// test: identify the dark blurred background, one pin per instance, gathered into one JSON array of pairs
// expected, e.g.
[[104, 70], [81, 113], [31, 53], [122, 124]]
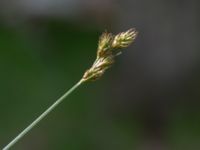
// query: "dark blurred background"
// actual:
[[149, 100]]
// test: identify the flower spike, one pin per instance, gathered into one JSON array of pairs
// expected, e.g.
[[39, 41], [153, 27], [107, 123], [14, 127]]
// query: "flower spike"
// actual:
[[108, 48]]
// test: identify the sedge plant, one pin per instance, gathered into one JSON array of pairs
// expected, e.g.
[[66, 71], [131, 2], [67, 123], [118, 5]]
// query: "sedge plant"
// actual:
[[109, 47]]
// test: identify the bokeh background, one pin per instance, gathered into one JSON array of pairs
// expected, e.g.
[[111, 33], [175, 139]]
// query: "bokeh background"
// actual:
[[149, 100]]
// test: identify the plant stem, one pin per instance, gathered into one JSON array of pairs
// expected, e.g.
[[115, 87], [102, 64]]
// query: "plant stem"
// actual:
[[42, 116]]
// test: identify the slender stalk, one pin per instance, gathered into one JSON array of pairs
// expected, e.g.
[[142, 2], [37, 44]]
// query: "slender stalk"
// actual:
[[42, 116], [108, 49]]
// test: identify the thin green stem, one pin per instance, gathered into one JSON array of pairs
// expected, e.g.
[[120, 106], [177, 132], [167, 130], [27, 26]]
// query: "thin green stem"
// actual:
[[43, 115]]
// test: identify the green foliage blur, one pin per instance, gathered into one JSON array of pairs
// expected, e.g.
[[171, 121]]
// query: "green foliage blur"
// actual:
[[36, 68]]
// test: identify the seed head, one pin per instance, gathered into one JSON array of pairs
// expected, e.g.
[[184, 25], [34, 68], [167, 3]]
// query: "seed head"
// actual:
[[108, 49]]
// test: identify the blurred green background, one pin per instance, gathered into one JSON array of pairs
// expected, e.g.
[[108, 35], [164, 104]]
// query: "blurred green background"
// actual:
[[149, 100]]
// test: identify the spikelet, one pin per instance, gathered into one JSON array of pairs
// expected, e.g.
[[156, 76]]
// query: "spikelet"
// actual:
[[124, 39], [105, 43]]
